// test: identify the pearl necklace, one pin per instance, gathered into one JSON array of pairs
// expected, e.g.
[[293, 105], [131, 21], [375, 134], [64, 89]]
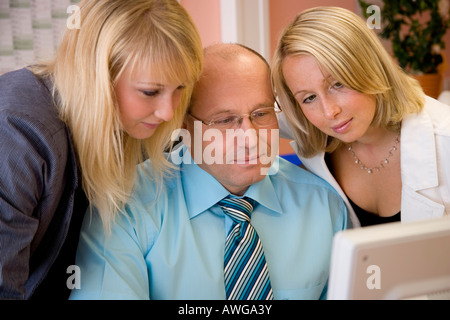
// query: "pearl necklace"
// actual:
[[384, 162]]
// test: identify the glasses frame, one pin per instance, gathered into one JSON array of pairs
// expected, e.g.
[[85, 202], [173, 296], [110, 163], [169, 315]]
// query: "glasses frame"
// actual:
[[241, 117]]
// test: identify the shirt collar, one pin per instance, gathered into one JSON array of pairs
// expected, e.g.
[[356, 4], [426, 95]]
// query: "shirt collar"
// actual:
[[264, 192], [202, 190]]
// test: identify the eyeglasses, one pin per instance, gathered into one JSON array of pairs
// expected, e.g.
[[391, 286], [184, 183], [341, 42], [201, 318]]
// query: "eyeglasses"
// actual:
[[263, 117]]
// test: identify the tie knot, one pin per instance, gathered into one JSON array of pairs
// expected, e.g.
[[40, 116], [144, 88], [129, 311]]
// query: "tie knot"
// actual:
[[238, 208]]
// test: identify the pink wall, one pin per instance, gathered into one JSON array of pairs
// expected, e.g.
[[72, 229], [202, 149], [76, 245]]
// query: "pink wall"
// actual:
[[206, 16], [283, 12]]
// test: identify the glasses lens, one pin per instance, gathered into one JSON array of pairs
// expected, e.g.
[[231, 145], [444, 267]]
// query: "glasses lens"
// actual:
[[261, 117], [264, 117], [225, 121]]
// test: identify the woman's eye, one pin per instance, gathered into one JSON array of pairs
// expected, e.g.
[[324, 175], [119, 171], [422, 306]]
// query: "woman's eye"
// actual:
[[310, 99], [338, 85], [150, 93]]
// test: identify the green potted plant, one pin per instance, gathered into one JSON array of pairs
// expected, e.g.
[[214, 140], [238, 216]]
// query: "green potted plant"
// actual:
[[416, 29]]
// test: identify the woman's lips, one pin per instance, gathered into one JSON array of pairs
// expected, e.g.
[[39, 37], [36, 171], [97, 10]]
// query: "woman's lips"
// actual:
[[151, 125], [343, 126]]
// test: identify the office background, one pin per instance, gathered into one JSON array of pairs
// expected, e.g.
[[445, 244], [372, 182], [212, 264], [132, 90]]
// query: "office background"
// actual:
[[31, 29]]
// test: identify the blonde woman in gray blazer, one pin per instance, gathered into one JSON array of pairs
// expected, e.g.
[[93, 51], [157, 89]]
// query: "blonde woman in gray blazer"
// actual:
[[76, 128], [359, 122]]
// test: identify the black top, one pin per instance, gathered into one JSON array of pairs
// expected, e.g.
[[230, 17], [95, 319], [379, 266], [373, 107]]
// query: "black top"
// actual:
[[367, 218]]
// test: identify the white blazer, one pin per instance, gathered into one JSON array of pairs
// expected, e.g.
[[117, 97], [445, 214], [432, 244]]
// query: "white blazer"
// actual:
[[425, 163]]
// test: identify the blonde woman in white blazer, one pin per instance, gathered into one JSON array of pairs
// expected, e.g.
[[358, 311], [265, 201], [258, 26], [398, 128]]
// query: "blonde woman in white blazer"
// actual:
[[425, 163], [359, 122]]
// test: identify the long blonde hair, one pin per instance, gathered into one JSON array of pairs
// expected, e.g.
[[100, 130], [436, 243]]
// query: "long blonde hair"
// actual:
[[155, 34], [342, 43]]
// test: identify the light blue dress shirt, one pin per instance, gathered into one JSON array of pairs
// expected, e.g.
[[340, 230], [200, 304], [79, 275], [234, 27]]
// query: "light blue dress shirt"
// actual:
[[170, 245]]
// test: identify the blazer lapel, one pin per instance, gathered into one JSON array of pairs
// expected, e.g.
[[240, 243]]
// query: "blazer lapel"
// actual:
[[419, 168], [418, 152]]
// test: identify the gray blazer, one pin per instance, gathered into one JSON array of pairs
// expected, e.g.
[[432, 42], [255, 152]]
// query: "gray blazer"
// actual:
[[41, 202]]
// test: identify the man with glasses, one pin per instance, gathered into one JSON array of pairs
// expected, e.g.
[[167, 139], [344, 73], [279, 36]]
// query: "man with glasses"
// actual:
[[233, 220]]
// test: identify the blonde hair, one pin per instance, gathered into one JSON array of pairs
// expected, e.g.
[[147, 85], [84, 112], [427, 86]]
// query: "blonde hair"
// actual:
[[342, 43], [155, 34]]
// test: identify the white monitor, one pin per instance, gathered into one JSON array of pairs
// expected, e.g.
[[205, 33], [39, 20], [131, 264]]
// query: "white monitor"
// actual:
[[392, 261]]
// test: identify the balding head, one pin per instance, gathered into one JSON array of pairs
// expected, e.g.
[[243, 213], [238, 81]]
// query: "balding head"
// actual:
[[228, 51], [227, 57]]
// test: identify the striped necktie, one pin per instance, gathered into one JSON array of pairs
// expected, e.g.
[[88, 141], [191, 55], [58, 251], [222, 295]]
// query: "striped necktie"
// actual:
[[245, 267]]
